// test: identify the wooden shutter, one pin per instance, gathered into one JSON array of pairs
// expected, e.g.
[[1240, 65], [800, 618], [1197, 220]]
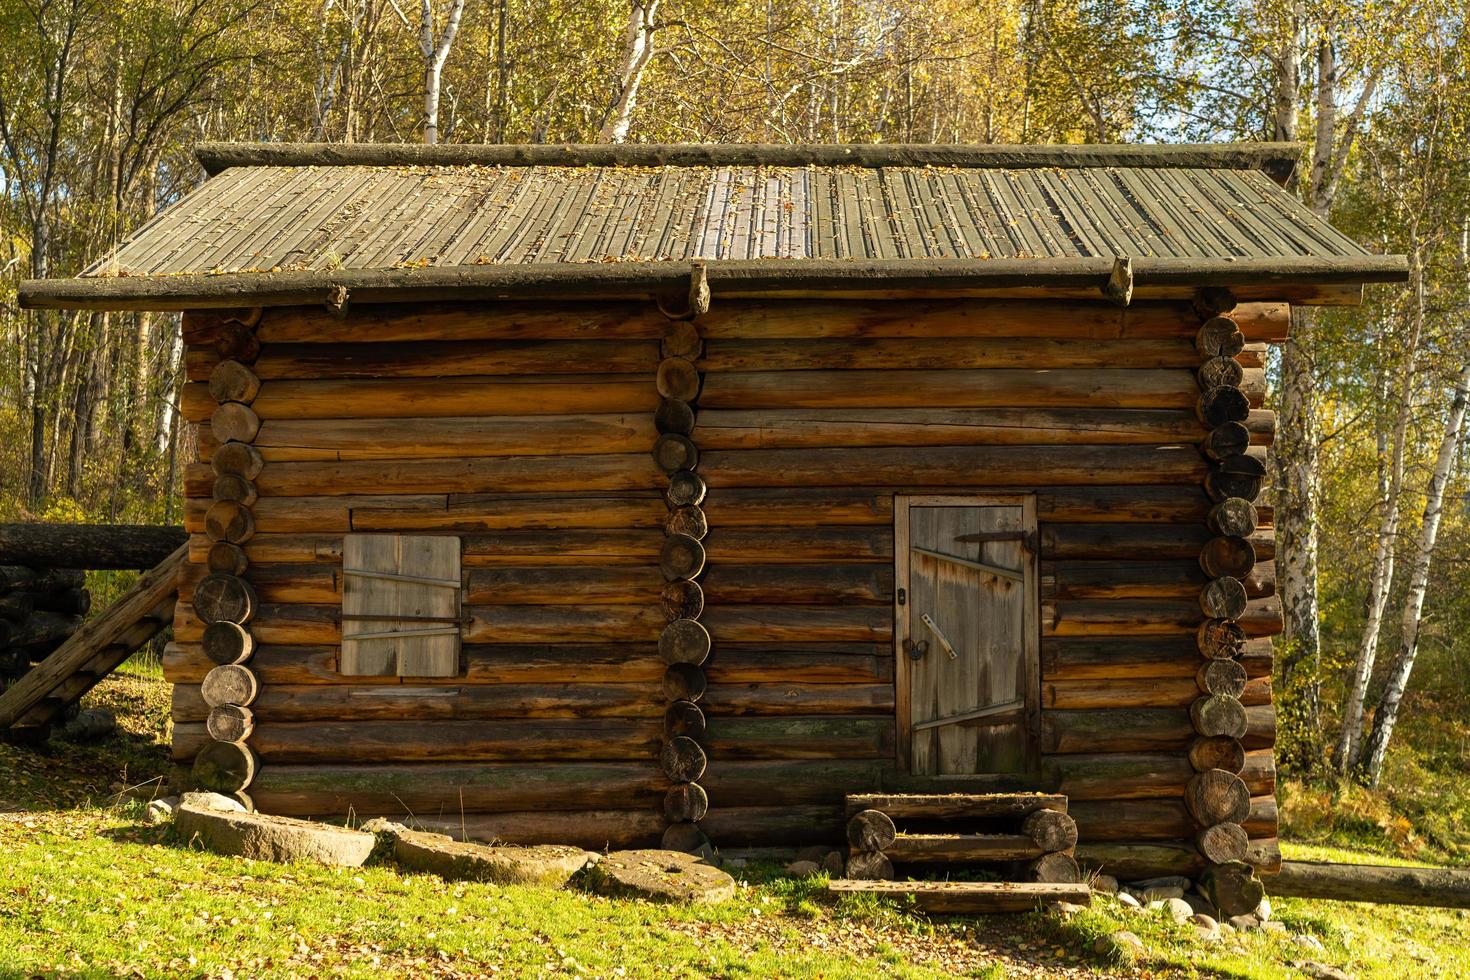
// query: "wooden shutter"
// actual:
[[400, 605]]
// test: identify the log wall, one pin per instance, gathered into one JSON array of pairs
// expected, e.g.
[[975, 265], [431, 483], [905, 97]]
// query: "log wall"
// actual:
[[527, 431]]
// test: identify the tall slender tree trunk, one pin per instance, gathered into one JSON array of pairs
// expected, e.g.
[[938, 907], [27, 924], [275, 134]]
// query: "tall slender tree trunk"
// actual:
[[435, 54], [1384, 719], [1381, 577], [637, 53]]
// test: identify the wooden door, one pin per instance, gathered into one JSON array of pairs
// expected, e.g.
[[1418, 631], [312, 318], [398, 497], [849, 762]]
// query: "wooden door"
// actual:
[[967, 634]]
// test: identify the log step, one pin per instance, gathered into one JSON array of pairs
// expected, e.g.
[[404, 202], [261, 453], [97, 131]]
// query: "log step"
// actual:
[[961, 848], [944, 806], [967, 897]]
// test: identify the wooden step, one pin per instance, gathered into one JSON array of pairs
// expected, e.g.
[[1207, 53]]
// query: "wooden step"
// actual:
[[967, 897], [943, 806], [961, 848]]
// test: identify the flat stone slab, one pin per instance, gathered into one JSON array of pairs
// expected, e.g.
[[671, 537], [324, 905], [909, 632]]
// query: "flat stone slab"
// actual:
[[551, 865], [267, 838], [668, 876]]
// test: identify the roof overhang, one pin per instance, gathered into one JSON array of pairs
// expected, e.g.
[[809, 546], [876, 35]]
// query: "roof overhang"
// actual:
[[1278, 160], [1306, 280]]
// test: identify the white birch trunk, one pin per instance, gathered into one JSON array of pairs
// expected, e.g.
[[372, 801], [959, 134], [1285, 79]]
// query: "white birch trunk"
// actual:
[[1384, 719], [1381, 577], [637, 53], [435, 54]]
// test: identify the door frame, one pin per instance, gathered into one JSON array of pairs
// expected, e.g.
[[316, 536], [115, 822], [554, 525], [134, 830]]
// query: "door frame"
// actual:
[[1031, 618]]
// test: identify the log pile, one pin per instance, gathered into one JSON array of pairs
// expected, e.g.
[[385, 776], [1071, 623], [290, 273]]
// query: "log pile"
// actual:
[[684, 643], [1023, 836], [1216, 797], [224, 601], [40, 609]]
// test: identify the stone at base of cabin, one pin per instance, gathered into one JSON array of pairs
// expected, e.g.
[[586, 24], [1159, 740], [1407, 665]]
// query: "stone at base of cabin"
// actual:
[[160, 811], [1206, 925], [1320, 971], [550, 865], [1245, 922], [800, 869], [1167, 881], [211, 801], [1105, 885], [267, 838], [382, 825], [89, 725], [814, 853], [834, 864], [1272, 925], [1128, 901], [1263, 911], [1159, 893], [671, 876]]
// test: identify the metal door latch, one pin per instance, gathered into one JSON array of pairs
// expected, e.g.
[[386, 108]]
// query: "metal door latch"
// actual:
[[916, 648], [943, 640]]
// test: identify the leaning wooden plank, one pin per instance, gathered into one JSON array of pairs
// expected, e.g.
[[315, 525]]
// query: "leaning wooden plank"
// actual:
[[955, 805], [1441, 887], [94, 636], [967, 897], [108, 659]]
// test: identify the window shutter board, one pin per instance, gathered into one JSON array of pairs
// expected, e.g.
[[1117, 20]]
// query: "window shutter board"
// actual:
[[395, 588]]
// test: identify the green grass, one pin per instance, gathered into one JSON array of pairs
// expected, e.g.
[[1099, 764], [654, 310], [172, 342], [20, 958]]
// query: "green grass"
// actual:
[[88, 890]]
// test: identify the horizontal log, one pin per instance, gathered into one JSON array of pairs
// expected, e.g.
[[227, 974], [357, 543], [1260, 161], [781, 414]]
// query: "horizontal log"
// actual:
[[975, 466], [755, 318], [1133, 861], [1147, 617], [794, 624], [1178, 579], [835, 428], [562, 394], [731, 664], [597, 830], [438, 358], [527, 321], [961, 848], [1439, 887], [733, 507], [296, 440], [1143, 692], [1140, 730], [1120, 657], [727, 584], [550, 740], [88, 545], [1160, 819], [1137, 542], [952, 353], [1003, 387], [966, 898], [276, 515], [389, 702], [515, 474], [801, 738], [429, 789], [739, 826], [478, 550]]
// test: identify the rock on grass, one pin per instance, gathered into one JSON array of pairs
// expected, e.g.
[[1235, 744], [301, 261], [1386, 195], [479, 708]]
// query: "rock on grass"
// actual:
[[267, 838], [551, 865], [670, 876]]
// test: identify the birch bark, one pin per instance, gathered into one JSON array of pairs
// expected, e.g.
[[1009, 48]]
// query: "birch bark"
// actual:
[[435, 53], [637, 53], [1381, 578]]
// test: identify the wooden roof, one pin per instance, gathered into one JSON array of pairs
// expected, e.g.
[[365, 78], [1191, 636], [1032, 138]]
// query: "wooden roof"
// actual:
[[376, 216]]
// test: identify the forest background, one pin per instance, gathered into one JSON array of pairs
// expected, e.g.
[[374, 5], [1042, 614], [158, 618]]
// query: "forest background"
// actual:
[[102, 100]]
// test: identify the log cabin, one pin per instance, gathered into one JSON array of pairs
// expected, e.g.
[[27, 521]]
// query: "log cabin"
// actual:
[[613, 495]]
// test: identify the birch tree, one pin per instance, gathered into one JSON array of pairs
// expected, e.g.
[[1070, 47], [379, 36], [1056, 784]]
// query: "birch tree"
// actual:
[[637, 53], [435, 51]]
